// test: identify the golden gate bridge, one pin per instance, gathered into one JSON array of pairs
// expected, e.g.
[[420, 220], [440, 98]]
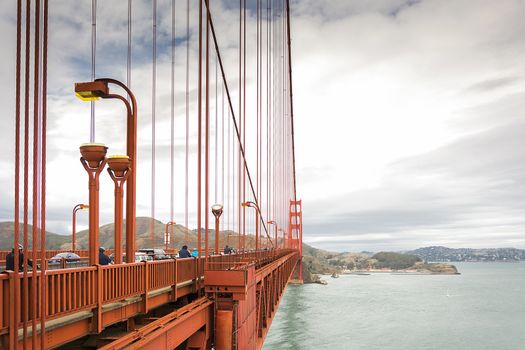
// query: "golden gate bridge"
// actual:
[[213, 300]]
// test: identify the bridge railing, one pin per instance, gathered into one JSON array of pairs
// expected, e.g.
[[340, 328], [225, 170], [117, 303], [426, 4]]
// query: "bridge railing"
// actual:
[[83, 289], [6, 298], [258, 258], [122, 281], [162, 274]]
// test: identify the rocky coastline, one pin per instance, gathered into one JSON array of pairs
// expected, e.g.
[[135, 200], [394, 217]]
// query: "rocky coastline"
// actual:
[[317, 263]]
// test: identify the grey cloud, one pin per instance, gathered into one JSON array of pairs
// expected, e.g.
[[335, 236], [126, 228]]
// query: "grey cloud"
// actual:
[[492, 84]]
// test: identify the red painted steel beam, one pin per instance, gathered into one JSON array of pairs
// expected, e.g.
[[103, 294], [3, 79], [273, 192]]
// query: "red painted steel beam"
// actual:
[[169, 331]]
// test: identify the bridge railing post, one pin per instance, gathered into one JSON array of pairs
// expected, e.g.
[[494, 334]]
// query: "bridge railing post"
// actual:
[[146, 283], [8, 304], [100, 298], [174, 285]]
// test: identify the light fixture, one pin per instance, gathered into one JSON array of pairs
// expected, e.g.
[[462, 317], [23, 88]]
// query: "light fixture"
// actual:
[[216, 209], [91, 91]]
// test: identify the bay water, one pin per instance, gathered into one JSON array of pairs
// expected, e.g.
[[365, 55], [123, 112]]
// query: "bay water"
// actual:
[[483, 308]]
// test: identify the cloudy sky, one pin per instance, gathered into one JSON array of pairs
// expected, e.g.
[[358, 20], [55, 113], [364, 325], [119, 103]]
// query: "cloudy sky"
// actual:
[[410, 115]]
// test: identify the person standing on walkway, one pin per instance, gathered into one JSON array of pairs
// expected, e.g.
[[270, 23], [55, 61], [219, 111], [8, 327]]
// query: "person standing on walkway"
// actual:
[[184, 252], [10, 259], [103, 259]]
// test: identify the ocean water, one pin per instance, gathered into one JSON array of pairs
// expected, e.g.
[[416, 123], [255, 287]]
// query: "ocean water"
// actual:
[[483, 308]]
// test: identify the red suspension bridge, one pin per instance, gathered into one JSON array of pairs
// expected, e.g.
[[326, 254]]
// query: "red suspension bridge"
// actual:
[[244, 161]]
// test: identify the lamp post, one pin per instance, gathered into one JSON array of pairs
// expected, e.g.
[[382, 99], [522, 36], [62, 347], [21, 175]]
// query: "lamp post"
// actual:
[[94, 160], [74, 224], [284, 240], [271, 222], [118, 169], [253, 205], [216, 209], [167, 237], [94, 90]]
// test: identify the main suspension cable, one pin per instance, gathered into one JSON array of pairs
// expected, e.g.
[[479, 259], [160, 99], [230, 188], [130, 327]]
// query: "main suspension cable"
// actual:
[[235, 125], [291, 96]]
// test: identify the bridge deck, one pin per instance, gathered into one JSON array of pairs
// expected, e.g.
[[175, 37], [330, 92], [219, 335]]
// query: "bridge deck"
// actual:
[[83, 301]]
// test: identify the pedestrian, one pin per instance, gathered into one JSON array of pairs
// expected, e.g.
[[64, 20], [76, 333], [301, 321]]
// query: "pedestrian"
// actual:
[[184, 252], [103, 259], [227, 250], [195, 253], [10, 260]]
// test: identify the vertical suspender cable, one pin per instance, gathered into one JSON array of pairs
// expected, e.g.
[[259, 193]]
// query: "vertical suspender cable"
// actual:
[[223, 156], [153, 105], [260, 193], [199, 140], [36, 140], [228, 198], [187, 125], [257, 101], [274, 114], [257, 116], [25, 297], [222, 149], [93, 63], [231, 178], [43, 282], [128, 65], [207, 139], [172, 139], [244, 124], [283, 116], [270, 114], [17, 158], [268, 110], [216, 134], [240, 127], [260, 196]]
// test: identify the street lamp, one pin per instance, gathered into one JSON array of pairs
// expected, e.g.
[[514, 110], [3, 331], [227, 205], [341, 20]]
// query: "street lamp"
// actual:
[[251, 204], [74, 225], [94, 90], [216, 209], [270, 222], [118, 169], [167, 236], [94, 160], [284, 240]]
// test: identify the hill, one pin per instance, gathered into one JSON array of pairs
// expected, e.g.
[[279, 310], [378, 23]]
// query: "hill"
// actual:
[[394, 261], [7, 229], [143, 236], [444, 254], [317, 261], [55, 241]]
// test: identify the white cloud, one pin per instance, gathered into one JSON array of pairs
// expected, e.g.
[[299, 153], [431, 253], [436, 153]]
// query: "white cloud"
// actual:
[[408, 115]]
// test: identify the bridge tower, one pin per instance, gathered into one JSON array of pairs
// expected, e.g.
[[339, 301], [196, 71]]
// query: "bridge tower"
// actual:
[[295, 237]]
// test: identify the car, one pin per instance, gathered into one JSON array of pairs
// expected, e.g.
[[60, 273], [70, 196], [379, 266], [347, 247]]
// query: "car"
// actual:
[[156, 254], [68, 256], [139, 257]]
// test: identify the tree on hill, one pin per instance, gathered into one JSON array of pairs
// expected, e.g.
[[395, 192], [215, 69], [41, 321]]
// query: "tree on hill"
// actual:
[[395, 261]]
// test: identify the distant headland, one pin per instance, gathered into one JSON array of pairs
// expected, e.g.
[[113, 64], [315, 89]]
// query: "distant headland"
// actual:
[[320, 262]]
